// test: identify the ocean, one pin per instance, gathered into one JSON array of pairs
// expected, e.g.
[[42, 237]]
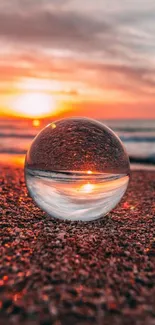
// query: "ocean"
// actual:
[[138, 137]]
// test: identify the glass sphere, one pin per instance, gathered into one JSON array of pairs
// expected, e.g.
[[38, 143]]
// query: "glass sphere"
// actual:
[[77, 169]]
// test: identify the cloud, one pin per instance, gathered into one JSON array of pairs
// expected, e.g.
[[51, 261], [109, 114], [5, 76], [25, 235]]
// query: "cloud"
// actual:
[[62, 30], [109, 37], [17, 5], [138, 81], [136, 16], [116, 50], [50, 27]]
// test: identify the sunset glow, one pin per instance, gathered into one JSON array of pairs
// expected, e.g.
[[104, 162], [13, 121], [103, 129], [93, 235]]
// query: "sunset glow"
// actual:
[[34, 104], [92, 59]]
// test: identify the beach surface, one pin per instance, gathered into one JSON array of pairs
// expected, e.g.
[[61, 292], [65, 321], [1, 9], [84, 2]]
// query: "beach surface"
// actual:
[[68, 273]]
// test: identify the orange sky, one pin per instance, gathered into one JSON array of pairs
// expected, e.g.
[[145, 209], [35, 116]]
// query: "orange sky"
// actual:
[[66, 58]]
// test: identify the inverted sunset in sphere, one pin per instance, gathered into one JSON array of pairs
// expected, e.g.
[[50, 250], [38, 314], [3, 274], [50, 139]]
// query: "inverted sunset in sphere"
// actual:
[[77, 169]]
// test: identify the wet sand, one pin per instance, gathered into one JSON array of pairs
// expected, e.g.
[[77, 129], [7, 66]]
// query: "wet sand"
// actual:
[[66, 273]]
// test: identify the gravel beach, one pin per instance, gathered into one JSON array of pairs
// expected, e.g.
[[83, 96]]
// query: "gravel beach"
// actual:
[[65, 273]]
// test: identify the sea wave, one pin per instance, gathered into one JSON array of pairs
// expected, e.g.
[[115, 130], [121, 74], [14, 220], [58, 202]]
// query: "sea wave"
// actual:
[[15, 135], [134, 130], [143, 160], [124, 138], [138, 138], [13, 151]]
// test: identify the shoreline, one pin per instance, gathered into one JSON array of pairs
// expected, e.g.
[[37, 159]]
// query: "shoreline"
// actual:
[[13, 160]]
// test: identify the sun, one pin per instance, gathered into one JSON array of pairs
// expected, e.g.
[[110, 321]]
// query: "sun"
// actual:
[[87, 188], [35, 104]]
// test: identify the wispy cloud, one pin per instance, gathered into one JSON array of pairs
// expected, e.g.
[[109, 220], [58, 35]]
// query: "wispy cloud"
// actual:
[[55, 29], [114, 35], [134, 80]]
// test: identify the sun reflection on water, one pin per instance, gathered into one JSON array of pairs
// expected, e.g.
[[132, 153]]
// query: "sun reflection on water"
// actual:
[[87, 188], [36, 123]]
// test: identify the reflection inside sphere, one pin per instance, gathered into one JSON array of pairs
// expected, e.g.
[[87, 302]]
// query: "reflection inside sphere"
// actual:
[[77, 169]]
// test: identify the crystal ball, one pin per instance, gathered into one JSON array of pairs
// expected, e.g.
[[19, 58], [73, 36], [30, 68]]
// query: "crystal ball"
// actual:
[[77, 169]]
